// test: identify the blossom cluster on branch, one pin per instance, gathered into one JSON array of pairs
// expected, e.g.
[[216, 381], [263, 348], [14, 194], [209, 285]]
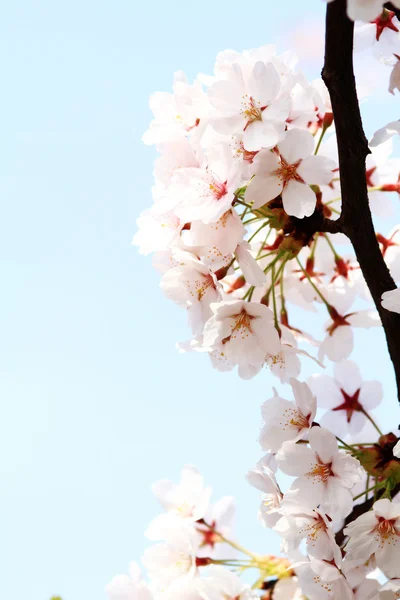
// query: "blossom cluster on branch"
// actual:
[[246, 233]]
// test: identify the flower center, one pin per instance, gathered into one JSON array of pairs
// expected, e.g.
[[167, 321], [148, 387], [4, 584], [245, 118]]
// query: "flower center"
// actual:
[[288, 172], [251, 111], [201, 286], [386, 530], [321, 471], [218, 189], [295, 418], [350, 404], [241, 326]]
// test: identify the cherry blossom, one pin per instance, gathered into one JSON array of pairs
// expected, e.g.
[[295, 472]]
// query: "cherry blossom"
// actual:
[[193, 285], [124, 587], [189, 499], [247, 102], [324, 475], [347, 397], [263, 479], [287, 421], [313, 525], [244, 331], [339, 341], [290, 174], [377, 532], [223, 584]]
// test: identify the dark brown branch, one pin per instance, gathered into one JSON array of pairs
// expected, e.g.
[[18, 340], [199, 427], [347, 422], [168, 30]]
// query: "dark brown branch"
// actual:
[[356, 220]]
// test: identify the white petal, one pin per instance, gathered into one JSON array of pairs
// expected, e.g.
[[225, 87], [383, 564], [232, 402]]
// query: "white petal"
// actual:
[[263, 189], [260, 134], [324, 443], [298, 144], [371, 394], [348, 376], [316, 170], [326, 390], [298, 199]]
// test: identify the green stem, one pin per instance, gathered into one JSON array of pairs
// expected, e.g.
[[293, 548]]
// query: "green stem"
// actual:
[[324, 300], [371, 489], [371, 420], [321, 137], [257, 231], [344, 444], [231, 543], [274, 300], [331, 246]]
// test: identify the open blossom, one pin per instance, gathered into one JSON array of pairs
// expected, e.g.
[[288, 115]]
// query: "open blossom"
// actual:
[[285, 420], [290, 173], [174, 560], [176, 114], [222, 584], [299, 523], [189, 499], [323, 580], [391, 300], [243, 331], [247, 102], [207, 192], [192, 285], [124, 587], [347, 397], [324, 475], [377, 533], [262, 478], [339, 341]]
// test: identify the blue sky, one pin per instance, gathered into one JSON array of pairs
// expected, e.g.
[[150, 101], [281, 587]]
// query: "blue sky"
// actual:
[[96, 402]]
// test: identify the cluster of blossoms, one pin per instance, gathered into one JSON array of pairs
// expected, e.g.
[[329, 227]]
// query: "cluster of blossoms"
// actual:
[[247, 155]]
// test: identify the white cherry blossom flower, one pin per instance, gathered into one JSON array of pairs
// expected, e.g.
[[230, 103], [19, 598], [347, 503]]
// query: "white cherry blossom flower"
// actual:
[[377, 532], [243, 331], [321, 580], [222, 584], [176, 114], [347, 396], [285, 420], [313, 525], [324, 475], [192, 285], [124, 587], [208, 192], [173, 560], [247, 102], [189, 499], [262, 478], [391, 300], [224, 234], [290, 174], [339, 341]]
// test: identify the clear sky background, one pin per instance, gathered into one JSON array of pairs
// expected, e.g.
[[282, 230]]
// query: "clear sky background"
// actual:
[[96, 403]]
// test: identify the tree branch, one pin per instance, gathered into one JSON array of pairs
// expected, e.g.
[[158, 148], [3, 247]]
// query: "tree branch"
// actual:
[[356, 221]]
